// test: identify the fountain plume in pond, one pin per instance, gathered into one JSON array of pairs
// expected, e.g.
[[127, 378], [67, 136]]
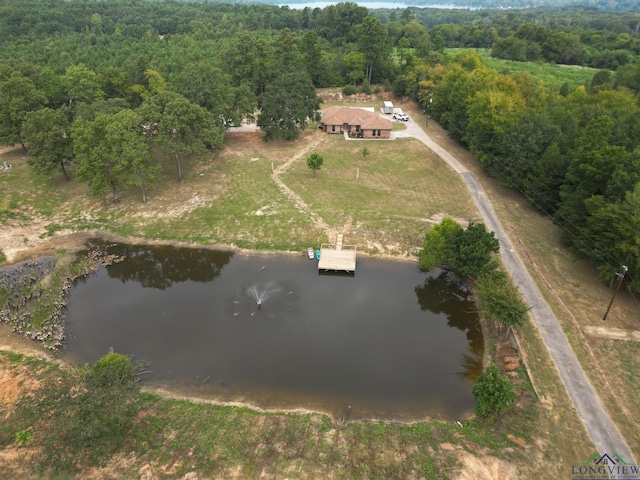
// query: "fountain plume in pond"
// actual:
[[261, 295], [271, 298]]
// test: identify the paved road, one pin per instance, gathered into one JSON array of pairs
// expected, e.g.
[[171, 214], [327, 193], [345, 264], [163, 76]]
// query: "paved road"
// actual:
[[599, 425]]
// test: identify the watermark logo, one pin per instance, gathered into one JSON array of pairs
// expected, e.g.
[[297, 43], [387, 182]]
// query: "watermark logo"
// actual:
[[605, 467]]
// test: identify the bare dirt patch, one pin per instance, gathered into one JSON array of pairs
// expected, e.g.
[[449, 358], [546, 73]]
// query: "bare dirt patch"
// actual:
[[613, 333], [484, 467]]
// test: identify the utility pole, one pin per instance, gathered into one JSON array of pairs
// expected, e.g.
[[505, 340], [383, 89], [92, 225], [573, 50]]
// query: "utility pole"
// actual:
[[621, 278]]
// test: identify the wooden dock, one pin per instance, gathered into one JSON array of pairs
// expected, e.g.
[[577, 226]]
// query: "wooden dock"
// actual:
[[337, 257]]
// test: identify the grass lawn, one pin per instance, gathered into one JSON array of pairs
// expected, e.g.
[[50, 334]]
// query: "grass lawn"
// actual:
[[382, 202], [230, 198]]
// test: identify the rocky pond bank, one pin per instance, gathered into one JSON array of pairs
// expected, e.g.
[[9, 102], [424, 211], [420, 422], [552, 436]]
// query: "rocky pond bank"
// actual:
[[33, 293]]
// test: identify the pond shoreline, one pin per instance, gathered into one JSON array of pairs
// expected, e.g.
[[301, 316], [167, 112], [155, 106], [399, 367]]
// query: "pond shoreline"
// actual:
[[14, 341], [79, 242]]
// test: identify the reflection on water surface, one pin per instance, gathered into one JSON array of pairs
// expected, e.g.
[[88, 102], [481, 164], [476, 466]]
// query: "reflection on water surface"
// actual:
[[389, 341]]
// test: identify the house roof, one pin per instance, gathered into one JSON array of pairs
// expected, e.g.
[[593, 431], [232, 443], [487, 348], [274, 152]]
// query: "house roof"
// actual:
[[354, 116]]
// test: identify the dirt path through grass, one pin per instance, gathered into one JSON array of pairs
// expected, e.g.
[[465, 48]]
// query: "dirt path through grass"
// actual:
[[294, 197]]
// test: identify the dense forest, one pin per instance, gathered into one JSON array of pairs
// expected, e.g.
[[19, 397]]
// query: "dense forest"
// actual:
[[93, 88], [497, 4]]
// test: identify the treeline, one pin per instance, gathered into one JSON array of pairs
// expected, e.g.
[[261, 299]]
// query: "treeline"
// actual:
[[577, 36], [613, 5], [96, 90], [575, 156]]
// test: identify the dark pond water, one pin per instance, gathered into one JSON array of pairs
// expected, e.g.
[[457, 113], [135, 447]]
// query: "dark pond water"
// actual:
[[389, 341]]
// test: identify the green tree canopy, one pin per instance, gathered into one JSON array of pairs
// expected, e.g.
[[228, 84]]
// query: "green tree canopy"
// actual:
[[177, 126], [438, 241], [18, 96], [315, 162], [112, 152], [373, 41], [287, 104], [493, 392], [471, 251], [82, 84], [47, 134], [499, 300]]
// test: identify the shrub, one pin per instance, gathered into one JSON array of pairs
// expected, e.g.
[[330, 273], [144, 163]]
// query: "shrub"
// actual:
[[80, 417], [349, 90], [365, 87], [493, 393], [3, 257], [436, 249], [499, 300]]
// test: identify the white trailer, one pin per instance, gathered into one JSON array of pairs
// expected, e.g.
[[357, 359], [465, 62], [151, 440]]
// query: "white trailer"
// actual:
[[388, 107]]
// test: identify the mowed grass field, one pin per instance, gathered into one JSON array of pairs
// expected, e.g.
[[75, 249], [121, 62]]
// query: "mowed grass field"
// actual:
[[383, 202], [231, 197]]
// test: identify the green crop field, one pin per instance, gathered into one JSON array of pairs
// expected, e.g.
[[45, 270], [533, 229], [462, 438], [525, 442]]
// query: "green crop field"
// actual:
[[552, 76]]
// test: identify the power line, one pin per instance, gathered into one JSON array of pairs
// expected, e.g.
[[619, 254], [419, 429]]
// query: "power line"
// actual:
[[580, 241]]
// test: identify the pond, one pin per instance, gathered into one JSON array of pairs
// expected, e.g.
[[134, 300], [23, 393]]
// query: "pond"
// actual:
[[388, 342]]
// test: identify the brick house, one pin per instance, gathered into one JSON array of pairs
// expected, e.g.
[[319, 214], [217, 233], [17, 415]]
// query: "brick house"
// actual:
[[357, 122]]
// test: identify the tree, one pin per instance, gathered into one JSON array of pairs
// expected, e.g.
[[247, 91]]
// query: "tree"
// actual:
[[491, 114], [82, 84], [50, 84], [204, 84], [364, 151], [589, 172], [438, 241], [178, 127], [18, 96], [545, 178], [313, 59], [81, 417], [493, 392], [250, 62], [286, 104], [112, 152], [125, 140], [451, 99], [315, 162], [95, 166], [521, 147], [47, 133], [373, 41], [471, 251], [286, 51], [337, 20], [114, 82], [207, 85], [354, 65]]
